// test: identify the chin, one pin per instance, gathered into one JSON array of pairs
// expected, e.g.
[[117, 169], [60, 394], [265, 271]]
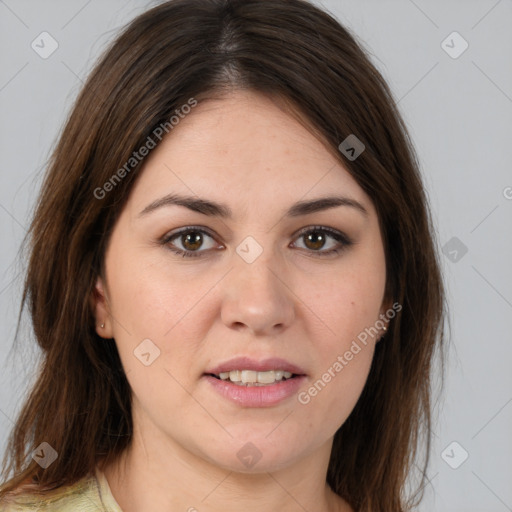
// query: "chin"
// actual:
[[255, 454]]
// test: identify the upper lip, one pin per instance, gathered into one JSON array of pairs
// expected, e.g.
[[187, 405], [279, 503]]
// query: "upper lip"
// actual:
[[262, 365]]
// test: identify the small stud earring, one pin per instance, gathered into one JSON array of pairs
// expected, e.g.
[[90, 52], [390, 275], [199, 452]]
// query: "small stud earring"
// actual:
[[102, 325]]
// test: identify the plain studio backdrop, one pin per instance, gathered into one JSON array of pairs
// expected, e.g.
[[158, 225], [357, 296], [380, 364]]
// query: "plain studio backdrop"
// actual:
[[449, 66]]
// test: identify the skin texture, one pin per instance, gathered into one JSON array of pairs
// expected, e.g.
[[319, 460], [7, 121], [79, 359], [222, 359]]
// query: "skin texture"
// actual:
[[291, 302]]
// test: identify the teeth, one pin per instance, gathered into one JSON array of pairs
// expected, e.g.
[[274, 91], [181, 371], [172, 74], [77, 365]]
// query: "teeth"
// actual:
[[251, 377], [234, 376], [266, 377]]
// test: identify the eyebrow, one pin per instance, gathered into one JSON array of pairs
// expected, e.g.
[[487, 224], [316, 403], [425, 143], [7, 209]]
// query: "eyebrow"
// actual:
[[214, 209]]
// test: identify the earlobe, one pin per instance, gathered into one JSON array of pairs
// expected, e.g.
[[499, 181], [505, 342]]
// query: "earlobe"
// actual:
[[384, 333], [101, 310], [384, 319]]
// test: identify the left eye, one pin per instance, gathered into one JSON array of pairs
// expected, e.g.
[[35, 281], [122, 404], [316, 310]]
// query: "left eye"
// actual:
[[315, 238]]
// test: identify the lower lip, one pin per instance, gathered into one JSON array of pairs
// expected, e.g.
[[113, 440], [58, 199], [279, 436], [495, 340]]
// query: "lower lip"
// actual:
[[256, 396]]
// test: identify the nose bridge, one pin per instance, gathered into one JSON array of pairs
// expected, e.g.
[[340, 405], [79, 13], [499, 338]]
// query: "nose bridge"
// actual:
[[256, 295]]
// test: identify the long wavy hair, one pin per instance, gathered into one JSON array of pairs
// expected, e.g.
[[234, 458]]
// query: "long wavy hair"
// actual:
[[300, 56]]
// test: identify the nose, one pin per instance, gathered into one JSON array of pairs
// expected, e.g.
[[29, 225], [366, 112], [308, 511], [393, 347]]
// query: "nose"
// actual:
[[256, 298]]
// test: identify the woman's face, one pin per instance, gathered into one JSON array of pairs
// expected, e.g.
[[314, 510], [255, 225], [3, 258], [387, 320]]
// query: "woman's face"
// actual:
[[260, 294]]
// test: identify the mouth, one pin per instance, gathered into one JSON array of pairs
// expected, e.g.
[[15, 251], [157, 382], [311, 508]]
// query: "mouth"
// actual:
[[251, 383]]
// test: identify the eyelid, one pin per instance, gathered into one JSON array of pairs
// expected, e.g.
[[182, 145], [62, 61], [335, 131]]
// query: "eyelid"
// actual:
[[174, 234]]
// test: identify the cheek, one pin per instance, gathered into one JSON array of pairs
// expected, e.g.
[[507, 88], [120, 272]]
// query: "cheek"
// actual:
[[344, 342], [339, 377], [149, 296], [152, 302], [348, 304]]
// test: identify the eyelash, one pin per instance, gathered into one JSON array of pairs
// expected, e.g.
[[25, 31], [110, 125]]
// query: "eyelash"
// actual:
[[336, 235]]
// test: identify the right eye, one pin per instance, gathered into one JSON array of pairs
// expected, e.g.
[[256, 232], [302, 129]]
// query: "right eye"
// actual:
[[190, 238]]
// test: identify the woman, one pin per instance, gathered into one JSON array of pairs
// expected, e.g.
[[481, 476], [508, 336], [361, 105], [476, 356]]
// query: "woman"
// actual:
[[232, 276]]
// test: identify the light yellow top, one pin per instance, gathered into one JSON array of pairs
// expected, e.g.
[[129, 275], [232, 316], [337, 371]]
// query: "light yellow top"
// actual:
[[91, 494]]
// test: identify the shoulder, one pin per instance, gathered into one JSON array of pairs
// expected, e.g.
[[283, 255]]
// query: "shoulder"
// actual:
[[83, 496]]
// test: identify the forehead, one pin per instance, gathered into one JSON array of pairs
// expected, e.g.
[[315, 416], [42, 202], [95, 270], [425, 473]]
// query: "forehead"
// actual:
[[244, 149]]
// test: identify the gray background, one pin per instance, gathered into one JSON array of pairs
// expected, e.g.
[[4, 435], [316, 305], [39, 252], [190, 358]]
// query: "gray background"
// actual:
[[459, 111]]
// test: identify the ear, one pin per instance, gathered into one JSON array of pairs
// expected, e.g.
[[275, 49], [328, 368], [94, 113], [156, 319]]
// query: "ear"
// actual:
[[101, 309]]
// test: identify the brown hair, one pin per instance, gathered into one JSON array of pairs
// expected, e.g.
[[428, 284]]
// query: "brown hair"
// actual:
[[298, 55]]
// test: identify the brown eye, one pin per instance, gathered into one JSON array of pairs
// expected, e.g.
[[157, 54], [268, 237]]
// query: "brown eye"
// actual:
[[192, 240], [188, 242], [314, 240], [317, 238]]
